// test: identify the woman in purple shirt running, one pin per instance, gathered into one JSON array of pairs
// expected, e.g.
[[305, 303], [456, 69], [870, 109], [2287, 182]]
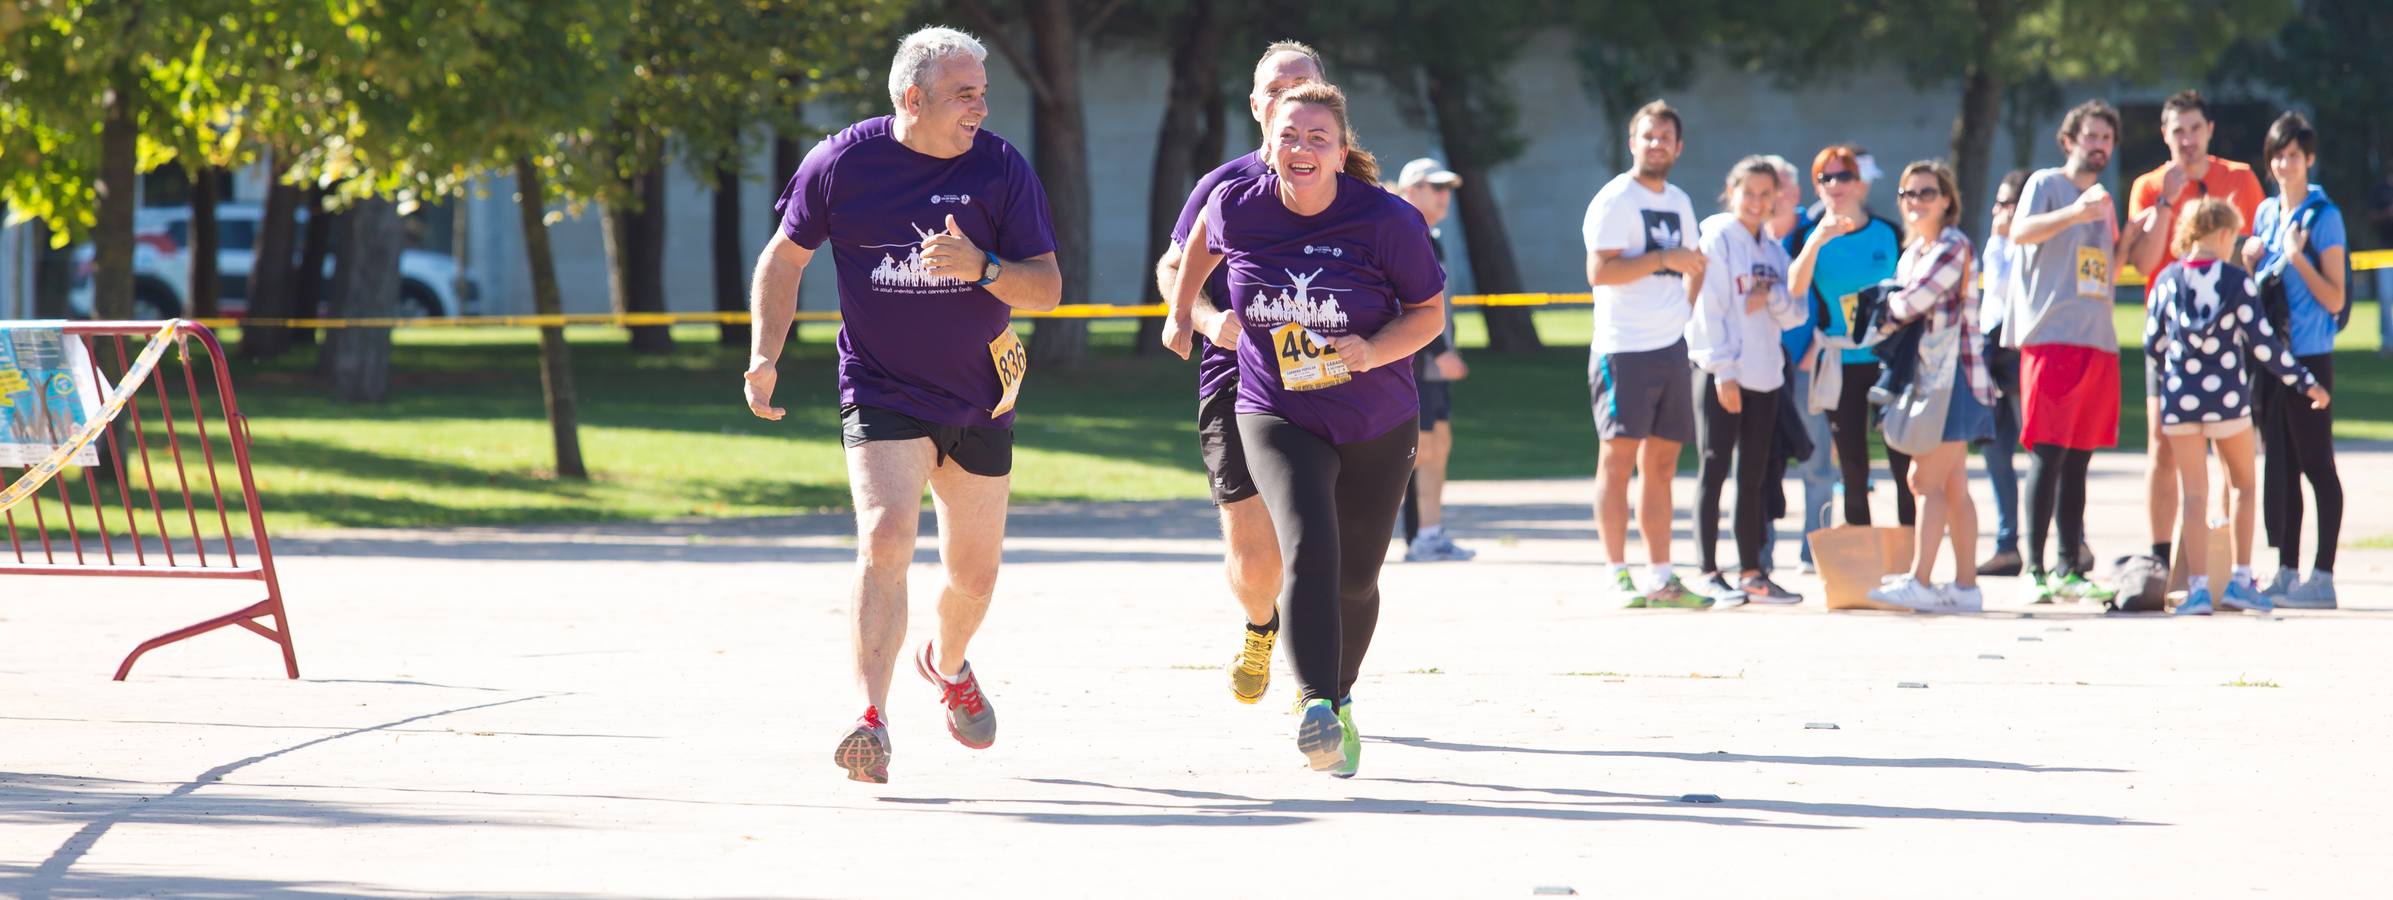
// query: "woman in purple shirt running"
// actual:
[[1335, 286]]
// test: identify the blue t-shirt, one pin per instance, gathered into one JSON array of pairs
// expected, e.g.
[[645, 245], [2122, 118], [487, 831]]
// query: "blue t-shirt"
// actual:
[[1215, 366], [1347, 270], [2309, 325], [911, 341], [1847, 264]]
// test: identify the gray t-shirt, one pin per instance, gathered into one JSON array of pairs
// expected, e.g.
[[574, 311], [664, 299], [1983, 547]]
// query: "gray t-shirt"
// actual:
[[2064, 285]]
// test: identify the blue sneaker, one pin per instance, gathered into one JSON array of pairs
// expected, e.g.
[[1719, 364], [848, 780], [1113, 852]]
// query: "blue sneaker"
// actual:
[[2241, 595], [1321, 736], [2197, 603]]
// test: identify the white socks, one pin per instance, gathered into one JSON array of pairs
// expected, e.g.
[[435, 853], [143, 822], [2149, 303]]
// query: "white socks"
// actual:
[[2197, 583]]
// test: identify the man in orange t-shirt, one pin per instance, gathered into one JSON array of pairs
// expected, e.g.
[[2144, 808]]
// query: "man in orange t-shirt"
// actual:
[[2152, 206]]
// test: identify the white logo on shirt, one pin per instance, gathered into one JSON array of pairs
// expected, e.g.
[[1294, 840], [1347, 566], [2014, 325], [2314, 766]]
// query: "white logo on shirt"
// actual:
[[1296, 303], [910, 272], [1333, 251], [1664, 235], [937, 199]]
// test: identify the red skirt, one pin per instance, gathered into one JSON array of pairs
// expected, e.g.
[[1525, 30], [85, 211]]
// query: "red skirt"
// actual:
[[2069, 397]]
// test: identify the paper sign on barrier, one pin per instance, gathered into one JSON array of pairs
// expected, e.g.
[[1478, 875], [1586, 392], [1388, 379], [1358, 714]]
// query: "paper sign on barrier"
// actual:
[[46, 394]]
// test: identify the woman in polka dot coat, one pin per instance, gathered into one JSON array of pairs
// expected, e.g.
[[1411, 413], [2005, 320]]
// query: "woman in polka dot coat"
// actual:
[[2201, 325]]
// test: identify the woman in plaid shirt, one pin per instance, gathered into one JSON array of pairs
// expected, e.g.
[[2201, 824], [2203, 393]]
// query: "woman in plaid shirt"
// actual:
[[1934, 275]]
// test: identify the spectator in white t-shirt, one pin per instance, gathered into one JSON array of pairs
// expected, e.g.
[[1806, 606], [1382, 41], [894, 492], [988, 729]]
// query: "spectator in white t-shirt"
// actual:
[[1645, 273]]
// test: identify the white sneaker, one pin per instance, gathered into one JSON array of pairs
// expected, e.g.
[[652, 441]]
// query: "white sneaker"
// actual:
[[1436, 548], [1963, 599], [1906, 592]]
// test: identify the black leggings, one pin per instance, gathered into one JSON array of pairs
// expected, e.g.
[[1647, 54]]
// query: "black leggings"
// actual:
[[1850, 424], [2056, 489], [1334, 506], [2300, 444], [1747, 435]]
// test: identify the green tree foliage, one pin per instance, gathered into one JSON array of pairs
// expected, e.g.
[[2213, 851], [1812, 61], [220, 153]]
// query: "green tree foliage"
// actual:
[[1989, 46], [2331, 58]]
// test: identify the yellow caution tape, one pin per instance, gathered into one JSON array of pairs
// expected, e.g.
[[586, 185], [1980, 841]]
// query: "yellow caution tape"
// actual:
[[33, 479], [2128, 277]]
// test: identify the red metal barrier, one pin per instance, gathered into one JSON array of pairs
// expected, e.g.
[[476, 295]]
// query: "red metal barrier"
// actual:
[[147, 540]]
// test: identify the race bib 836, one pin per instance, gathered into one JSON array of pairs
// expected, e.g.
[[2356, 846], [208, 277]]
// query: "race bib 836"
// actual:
[[1006, 352]]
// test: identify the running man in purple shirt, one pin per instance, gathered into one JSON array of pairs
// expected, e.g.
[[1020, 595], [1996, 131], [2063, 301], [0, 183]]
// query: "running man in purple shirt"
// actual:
[[1334, 287], [1253, 551], [938, 231]]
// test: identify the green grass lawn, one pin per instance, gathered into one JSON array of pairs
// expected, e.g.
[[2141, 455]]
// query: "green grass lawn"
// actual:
[[463, 441]]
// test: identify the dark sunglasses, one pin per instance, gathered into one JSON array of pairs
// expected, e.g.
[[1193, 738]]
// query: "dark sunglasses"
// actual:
[[1999, 204], [1834, 177], [1923, 194]]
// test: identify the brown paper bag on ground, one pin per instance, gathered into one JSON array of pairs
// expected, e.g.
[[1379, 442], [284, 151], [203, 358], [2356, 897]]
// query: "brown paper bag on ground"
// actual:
[[1854, 559]]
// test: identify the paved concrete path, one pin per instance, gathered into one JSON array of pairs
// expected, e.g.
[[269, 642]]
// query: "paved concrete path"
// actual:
[[648, 710]]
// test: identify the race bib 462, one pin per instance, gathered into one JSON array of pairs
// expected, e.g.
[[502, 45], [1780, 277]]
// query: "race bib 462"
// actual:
[[1307, 362]]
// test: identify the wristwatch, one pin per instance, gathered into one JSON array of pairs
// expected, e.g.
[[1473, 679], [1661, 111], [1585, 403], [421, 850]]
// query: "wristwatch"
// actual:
[[990, 271]]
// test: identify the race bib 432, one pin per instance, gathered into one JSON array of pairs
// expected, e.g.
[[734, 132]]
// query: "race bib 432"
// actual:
[[2093, 274]]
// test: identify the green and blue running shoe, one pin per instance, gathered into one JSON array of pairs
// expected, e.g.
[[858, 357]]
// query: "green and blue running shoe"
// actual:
[[1674, 595], [2035, 589], [1321, 737], [1351, 744], [1624, 586], [2075, 587]]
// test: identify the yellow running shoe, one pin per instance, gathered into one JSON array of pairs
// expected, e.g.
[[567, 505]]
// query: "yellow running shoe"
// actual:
[[1250, 671]]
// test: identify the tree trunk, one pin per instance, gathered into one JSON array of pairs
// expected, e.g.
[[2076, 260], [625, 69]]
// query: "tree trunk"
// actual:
[[1196, 72], [1213, 124], [1974, 126], [112, 238], [634, 231], [1059, 149], [731, 282], [306, 285], [1510, 329], [360, 358], [53, 274], [268, 295], [205, 300], [469, 299], [556, 359]]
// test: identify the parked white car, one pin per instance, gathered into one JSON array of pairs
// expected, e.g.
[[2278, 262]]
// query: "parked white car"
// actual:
[[162, 268]]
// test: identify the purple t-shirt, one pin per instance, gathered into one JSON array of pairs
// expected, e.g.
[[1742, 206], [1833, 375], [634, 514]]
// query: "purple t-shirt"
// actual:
[[1216, 367], [911, 341], [1346, 270]]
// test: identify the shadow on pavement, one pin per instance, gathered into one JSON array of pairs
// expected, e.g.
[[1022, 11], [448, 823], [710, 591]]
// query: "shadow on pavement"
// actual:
[[1724, 756], [20, 793]]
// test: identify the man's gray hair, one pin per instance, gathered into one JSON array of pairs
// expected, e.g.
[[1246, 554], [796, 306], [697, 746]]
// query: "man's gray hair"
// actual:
[[922, 50], [1786, 170]]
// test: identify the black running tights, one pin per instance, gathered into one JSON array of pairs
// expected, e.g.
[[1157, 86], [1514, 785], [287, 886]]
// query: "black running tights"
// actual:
[[2056, 489], [1851, 424], [1746, 435], [1334, 506], [2300, 444]]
